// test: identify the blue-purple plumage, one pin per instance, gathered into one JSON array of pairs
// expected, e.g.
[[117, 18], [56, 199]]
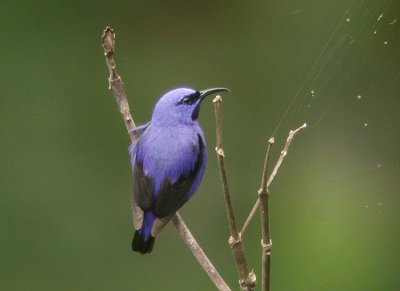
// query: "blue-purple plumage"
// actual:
[[168, 163]]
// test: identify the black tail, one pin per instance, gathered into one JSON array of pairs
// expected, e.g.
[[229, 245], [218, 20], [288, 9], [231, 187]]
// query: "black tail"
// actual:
[[139, 244]]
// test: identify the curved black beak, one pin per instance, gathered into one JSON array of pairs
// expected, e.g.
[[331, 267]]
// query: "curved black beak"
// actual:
[[205, 93]]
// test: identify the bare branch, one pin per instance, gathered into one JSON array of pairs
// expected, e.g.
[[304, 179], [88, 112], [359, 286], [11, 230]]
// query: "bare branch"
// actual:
[[284, 152], [115, 83], [208, 267], [278, 164], [247, 279], [117, 88]]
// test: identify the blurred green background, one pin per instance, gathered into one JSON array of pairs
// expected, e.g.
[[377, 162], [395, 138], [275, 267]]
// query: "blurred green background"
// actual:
[[65, 174]]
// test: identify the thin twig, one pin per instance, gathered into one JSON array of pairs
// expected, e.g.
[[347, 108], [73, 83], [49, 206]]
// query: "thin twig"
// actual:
[[274, 172], [115, 82], [264, 180], [247, 280], [117, 88], [249, 218], [264, 211], [208, 267]]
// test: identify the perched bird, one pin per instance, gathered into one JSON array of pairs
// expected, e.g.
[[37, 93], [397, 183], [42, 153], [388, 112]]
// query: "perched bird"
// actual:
[[168, 162]]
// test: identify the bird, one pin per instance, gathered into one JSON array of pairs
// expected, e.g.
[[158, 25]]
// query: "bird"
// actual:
[[168, 161]]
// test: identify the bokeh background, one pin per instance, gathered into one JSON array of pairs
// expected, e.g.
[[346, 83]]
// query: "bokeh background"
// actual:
[[65, 178]]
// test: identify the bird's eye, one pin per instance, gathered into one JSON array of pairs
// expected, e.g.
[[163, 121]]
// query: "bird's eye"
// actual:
[[186, 101]]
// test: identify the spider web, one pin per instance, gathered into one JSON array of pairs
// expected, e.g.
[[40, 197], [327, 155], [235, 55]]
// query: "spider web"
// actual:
[[351, 92], [365, 41]]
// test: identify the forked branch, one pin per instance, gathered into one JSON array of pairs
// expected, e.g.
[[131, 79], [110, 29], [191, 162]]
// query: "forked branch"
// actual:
[[278, 164]]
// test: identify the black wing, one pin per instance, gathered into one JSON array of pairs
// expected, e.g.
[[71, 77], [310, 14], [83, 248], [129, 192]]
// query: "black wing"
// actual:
[[170, 197], [142, 187], [139, 181]]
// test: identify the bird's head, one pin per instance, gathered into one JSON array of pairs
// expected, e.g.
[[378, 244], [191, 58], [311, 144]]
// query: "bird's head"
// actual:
[[181, 105]]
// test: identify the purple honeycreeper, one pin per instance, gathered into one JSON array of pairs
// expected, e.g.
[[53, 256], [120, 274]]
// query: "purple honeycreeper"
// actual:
[[168, 162]]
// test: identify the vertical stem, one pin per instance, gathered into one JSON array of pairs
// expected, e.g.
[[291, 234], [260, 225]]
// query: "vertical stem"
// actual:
[[264, 211], [266, 246], [221, 162], [247, 280]]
